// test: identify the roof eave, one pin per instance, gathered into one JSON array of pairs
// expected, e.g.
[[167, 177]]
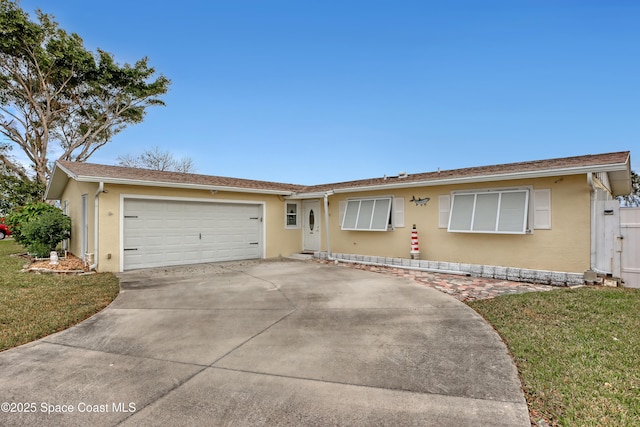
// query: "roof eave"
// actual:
[[311, 195], [123, 181], [620, 182], [619, 167], [57, 182]]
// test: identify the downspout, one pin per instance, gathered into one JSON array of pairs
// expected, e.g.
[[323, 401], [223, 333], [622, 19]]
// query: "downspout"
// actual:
[[326, 223], [594, 219], [95, 226]]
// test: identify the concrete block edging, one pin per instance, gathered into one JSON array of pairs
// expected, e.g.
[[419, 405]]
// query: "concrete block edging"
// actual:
[[544, 277]]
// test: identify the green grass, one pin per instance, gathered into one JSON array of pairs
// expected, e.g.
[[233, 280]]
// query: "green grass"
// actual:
[[33, 306], [577, 352]]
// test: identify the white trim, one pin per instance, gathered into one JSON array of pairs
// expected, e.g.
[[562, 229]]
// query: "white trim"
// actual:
[[314, 195], [122, 181], [489, 178], [124, 196], [191, 199]]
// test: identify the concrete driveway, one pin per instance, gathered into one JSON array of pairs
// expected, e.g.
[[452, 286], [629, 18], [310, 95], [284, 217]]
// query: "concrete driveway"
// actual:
[[267, 343]]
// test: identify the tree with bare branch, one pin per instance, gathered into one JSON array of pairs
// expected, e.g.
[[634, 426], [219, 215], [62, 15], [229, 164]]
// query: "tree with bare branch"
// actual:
[[156, 159], [57, 96]]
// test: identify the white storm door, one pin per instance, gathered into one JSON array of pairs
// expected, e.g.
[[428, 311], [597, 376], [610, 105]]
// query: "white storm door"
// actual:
[[310, 225]]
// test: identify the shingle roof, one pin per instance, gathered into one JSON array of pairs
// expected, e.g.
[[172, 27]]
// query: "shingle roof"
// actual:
[[566, 163], [112, 173], [619, 161]]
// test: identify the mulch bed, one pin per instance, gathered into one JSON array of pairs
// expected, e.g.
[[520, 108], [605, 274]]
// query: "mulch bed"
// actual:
[[70, 264]]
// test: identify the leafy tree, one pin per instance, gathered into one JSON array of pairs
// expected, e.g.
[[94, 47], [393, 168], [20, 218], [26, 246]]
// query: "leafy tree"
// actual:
[[16, 189], [16, 192], [633, 199], [42, 234], [54, 94], [156, 159]]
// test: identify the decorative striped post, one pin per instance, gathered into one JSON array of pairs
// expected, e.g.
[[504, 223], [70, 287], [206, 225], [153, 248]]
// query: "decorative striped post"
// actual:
[[415, 250]]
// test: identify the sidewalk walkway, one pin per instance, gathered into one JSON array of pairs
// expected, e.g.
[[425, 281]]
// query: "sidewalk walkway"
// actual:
[[463, 288]]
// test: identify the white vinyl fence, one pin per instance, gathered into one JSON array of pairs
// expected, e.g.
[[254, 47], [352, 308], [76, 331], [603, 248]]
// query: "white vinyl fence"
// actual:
[[630, 232]]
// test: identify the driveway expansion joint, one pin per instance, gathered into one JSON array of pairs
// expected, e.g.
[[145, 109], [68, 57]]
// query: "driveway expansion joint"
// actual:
[[367, 386], [77, 347], [252, 337]]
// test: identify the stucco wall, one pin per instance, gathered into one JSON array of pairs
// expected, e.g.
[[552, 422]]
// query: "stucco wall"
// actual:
[[73, 197], [565, 247]]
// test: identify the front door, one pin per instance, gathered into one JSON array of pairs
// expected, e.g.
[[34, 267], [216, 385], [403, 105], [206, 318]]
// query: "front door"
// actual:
[[311, 225]]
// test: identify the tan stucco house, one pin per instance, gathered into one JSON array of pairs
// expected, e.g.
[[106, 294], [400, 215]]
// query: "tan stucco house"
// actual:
[[518, 218]]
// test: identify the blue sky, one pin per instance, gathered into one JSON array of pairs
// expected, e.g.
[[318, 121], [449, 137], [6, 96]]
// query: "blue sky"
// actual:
[[313, 92]]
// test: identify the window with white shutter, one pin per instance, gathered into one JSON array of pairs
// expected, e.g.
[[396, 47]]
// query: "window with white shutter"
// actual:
[[372, 214], [490, 211]]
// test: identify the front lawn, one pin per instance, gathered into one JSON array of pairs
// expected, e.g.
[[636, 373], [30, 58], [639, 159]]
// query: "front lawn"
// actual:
[[577, 352], [36, 305]]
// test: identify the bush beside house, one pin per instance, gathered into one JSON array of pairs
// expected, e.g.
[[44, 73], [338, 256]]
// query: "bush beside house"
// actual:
[[39, 227]]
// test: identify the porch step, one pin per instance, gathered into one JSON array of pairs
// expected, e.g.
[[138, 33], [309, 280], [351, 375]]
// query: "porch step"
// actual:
[[301, 256]]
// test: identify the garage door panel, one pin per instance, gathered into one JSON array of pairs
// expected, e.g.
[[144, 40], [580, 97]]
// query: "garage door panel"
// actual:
[[175, 232]]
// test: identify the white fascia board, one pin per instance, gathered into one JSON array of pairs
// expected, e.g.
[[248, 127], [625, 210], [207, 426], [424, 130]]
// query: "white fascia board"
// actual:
[[303, 196], [180, 185], [67, 171], [488, 178], [56, 184]]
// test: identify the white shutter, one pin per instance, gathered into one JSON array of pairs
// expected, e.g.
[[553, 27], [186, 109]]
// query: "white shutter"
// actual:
[[444, 207], [398, 211], [542, 209]]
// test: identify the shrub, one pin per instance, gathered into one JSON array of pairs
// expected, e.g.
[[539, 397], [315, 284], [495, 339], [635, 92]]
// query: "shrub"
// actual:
[[40, 228], [21, 216]]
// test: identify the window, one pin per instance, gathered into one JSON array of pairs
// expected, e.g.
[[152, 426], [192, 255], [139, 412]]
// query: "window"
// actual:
[[291, 219], [372, 214], [491, 211]]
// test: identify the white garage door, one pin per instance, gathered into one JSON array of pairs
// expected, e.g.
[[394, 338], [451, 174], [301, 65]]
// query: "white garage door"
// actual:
[[160, 233]]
